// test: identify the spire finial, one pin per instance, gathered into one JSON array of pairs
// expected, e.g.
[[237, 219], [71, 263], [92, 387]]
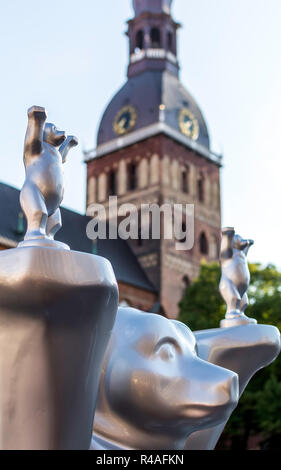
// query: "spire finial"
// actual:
[[152, 6]]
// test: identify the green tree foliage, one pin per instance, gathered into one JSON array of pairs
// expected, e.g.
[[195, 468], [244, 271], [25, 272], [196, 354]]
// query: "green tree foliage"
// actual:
[[259, 409]]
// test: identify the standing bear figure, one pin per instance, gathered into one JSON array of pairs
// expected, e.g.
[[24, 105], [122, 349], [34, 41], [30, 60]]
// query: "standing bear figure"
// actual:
[[235, 278], [45, 151]]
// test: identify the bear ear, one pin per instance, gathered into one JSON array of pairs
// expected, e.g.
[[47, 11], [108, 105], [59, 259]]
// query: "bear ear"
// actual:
[[186, 333]]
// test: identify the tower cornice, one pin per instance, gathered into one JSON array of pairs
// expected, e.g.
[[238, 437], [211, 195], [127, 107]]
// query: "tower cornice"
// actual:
[[147, 132]]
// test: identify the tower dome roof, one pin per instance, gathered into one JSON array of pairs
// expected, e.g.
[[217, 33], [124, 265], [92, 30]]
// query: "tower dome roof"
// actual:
[[153, 100], [154, 96]]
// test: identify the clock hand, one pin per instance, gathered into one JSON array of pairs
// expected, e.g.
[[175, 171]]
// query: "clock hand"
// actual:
[[122, 123], [188, 125]]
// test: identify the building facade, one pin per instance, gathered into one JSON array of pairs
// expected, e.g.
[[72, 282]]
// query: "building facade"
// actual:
[[153, 147]]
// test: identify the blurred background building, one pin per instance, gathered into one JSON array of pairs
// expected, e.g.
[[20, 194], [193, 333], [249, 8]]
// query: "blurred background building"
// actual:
[[153, 147]]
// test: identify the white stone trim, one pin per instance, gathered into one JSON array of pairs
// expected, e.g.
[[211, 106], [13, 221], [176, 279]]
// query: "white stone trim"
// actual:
[[145, 133], [153, 53]]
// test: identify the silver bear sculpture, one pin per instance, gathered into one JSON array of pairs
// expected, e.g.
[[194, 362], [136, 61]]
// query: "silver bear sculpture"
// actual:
[[154, 390], [235, 278], [45, 151]]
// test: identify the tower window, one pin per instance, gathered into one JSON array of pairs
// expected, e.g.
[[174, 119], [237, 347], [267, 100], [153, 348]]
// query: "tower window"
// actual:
[[185, 181], [112, 183], [200, 188], [203, 242], [186, 281], [139, 39], [155, 38], [132, 177], [170, 41]]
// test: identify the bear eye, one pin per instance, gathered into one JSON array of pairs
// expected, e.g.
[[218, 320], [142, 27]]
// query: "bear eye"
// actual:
[[167, 352], [167, 349]]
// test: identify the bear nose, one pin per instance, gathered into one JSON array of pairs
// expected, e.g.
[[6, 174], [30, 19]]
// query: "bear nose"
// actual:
[[215, 396], [230, 388], [214, 386]]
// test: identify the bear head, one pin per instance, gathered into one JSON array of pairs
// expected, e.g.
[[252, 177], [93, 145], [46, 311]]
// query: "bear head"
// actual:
[[52, 135], [154, 390], [240, 244]]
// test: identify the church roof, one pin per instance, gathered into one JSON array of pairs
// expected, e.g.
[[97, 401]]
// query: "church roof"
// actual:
[[146, 93], [73, 233]]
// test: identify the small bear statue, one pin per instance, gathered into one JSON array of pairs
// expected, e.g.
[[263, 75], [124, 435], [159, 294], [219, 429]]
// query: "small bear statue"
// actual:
[[45, 151], [235, 278]]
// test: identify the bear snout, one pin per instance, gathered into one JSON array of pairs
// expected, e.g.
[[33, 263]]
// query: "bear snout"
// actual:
[[213, 393]]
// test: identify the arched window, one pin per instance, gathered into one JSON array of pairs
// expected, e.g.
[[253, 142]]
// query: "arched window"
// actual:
[[186, 281], [112, 183], [170, 41], [185, 180], [132, 177], [201, 188], [203, 242], [185, 284], [139, 39], [155, 38]]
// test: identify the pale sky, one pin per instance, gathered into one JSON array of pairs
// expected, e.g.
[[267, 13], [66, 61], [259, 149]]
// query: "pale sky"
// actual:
[[71, 57]]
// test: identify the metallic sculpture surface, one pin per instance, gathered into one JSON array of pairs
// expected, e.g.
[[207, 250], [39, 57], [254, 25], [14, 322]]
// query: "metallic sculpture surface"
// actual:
[[57, 310], [243, 349], [45, 151], [235, 278], [154, 389], [240, 345]]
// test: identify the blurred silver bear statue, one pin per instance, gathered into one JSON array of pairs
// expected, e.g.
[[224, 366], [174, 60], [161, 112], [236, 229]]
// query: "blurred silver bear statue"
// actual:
[[45, 151], [235, 278], [154, 390], [57, 311]]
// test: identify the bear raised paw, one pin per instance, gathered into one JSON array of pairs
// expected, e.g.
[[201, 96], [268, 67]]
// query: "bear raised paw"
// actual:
[[235, 278], [45, 151]]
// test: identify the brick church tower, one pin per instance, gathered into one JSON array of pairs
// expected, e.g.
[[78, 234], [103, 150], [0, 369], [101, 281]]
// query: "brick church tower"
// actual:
[[153, 147]]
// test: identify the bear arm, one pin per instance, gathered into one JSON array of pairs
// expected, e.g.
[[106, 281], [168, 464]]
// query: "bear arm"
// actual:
[[33, 144], [67, 145], [244, 349]]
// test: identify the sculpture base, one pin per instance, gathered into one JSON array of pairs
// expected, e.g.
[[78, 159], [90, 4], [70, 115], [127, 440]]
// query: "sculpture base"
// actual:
[[237, 320], [57, 310]]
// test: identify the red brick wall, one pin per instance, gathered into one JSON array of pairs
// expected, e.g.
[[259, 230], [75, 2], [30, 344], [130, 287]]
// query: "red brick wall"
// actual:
[[136, 297]]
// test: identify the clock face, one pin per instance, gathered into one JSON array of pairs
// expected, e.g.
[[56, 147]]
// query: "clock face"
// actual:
[[188, 123], [125, 120]]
